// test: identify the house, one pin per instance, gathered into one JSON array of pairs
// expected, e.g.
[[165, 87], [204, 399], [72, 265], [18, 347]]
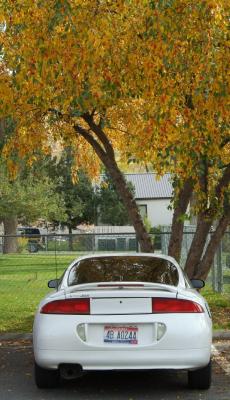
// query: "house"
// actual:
[[153, 196], [110, 237]]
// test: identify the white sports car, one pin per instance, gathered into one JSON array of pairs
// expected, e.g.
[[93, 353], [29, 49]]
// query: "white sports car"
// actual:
[[122, 312]]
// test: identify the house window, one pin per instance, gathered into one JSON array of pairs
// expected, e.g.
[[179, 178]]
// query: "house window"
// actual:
[[143, 210]]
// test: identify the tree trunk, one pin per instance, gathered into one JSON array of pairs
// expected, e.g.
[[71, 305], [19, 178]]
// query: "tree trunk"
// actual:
[[10, 242], [197, 246], [105, 152], [2, 129], [204, 223], [207, 260], [176, 237], [121, 186]]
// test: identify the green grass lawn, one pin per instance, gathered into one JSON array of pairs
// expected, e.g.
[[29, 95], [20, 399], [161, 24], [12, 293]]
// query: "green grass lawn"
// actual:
[[219, 304], [23, 283]]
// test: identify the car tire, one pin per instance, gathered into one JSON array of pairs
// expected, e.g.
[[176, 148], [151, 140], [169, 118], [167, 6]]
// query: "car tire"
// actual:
[[200, 378], [46, 378], [32, 247]]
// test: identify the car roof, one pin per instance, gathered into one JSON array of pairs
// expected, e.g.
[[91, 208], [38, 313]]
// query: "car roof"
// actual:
[[27, 227], [127, 254]]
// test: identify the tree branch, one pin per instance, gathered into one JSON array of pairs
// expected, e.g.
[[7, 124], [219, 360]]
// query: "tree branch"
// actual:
[[119, 129], [204, 222], [100, 134], [222, 184], [207, 260], [224, 166], [2, 127], [90, 139], [122, 188], [175, 243], [225, 141], [56, 112], [224, 181]]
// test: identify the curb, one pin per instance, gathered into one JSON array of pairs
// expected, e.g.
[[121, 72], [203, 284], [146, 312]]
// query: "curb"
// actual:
[[221, 335], [224, 334], [15, 336]]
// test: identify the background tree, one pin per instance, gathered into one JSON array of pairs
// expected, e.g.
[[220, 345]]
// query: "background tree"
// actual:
[[147, 78], [77, 193], [111, 210], [26, 199], [26, 191]]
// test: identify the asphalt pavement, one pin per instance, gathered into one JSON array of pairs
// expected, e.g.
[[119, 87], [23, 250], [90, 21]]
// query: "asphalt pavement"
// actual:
[[17, 383]]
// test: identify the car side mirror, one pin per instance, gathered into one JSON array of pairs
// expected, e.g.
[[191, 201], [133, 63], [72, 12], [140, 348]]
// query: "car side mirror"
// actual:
[[53, 283], [197, 283]]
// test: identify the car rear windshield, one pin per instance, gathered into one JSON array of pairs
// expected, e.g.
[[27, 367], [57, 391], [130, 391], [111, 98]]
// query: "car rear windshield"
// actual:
[[119, 268], [29, 231]]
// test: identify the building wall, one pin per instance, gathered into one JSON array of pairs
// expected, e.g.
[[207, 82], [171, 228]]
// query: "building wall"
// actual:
[[157, 211]]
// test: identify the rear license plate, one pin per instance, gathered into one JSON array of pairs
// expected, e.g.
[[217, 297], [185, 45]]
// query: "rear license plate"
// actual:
[[121, 334]]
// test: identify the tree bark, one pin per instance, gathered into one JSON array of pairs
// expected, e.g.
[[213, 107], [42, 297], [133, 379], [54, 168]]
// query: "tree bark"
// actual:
[[207, 260], [133, 211], [10, 242], [2, 129], [204, 223], [105, 152], [197, 246], [175, 243]]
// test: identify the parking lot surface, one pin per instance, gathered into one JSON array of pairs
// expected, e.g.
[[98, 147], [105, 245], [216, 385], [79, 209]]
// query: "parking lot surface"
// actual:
[[16, 380]]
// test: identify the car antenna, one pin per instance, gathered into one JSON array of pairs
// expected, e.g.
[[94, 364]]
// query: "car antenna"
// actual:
[[55, 257]]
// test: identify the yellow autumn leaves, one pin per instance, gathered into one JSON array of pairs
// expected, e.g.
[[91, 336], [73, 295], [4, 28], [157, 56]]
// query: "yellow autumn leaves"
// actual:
[[156, 72]]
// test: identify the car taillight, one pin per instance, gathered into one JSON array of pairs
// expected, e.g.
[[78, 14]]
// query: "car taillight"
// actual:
[[67, 306], [166, 305]]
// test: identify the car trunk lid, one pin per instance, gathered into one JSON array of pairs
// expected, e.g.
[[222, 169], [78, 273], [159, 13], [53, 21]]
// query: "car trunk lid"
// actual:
[[121, 298]]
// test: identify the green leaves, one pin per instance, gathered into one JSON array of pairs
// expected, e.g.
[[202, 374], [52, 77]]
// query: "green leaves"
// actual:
[[111, 210], [79, 199], [29, 197]]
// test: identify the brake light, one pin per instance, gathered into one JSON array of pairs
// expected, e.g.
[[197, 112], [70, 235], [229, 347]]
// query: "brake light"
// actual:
[[67, 306], [120, 285], [166, 305]]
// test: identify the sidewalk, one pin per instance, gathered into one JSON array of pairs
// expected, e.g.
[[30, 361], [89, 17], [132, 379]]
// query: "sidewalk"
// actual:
[[221, 335]]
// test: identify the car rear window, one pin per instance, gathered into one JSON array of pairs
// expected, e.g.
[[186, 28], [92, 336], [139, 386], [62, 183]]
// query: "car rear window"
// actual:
[[119, 268], [29, 231]]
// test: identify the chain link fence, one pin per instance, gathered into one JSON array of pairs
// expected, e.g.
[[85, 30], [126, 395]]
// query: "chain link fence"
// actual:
[[24, 275], [57, 247], [219, 276]]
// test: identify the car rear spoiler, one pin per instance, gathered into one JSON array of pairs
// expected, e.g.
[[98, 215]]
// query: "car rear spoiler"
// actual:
[[120, 285]]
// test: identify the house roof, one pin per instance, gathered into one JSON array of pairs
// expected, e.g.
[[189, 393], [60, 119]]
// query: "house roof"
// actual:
[[149, 186]]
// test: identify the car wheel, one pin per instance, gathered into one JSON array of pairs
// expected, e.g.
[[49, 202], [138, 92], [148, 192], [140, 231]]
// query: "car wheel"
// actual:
[[200, 378], [32, 247], [46, 378]]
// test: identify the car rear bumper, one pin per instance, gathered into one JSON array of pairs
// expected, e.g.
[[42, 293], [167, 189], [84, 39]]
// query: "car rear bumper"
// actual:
[[124, 359], [186, 343]]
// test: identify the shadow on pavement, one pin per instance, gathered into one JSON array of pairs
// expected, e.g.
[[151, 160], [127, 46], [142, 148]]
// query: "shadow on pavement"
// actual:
[[16, 382]]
